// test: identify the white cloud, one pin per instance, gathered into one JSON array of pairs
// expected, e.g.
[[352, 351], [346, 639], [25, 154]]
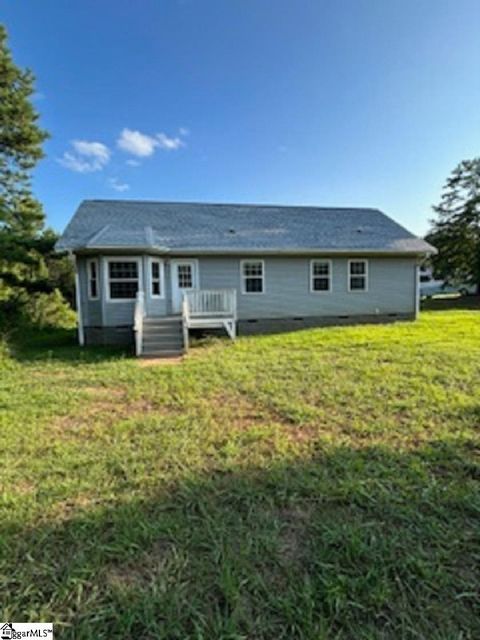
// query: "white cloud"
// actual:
[[170, 144], [86, 156], [115, 184], [184, 131], [143, 145], [133, 163], [135, 142]]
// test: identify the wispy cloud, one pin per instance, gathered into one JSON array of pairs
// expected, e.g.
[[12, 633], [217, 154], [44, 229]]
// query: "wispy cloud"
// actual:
[[170, 144], [184, 131], [143, 145], [86, 156], [114, 183]]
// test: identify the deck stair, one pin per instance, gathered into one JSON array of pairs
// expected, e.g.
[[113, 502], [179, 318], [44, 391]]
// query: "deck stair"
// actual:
[[162, 337], [168, 336]]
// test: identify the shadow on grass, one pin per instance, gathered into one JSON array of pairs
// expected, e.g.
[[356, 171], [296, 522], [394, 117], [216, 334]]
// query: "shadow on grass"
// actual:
[[61, 345], [347, 544], [471, 303]]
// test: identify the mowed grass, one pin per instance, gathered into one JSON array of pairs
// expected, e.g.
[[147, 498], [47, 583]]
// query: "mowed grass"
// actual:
[[319, 484]]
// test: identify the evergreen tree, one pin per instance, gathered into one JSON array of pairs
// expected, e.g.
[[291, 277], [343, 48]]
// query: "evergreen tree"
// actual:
[[20, 146], [456, 230], [24, 244]]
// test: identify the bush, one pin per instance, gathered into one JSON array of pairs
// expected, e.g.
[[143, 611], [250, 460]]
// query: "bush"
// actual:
[[39, 310], [49, 310]]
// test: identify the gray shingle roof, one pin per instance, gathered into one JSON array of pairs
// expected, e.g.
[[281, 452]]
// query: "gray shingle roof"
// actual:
[[223, 228]]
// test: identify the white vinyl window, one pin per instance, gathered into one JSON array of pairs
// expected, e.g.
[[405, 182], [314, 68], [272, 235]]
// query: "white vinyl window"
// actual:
[[253, 276], [92, 268], [320, 276], [123, 276], [357, 275], [156, 278]]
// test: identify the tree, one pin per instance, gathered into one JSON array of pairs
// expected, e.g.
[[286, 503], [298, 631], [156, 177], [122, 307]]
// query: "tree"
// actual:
[[20, 146], [456, 230], [26, 247]]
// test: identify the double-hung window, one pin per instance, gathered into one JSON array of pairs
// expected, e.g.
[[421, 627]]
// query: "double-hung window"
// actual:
[[253, 276], [156, 278], [92, 269], [123, 279], [357, 275], [320, 276]]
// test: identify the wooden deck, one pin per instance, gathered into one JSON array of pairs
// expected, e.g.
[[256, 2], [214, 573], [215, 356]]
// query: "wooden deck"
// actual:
[[201, 309], [209, 309]]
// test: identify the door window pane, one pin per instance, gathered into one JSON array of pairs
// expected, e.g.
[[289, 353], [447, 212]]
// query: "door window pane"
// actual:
[[185, 276]]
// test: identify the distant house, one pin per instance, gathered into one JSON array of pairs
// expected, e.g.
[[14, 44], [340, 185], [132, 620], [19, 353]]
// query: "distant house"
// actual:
[[147, 272]]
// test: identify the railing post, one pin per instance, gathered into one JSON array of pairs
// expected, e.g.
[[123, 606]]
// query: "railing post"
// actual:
[[185, 320], [138, 315]]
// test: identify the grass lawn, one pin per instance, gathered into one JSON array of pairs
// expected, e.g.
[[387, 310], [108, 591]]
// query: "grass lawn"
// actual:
[[319, 484]]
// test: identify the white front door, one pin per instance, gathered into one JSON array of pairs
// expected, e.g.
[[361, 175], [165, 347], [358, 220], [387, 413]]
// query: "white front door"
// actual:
[[184, 278]]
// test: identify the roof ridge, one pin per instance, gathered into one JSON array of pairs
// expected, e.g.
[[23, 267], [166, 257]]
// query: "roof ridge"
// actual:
[[233, 204]]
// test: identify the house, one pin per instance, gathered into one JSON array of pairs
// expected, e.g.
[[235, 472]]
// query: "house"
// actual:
[[6, 631], [148, 272]]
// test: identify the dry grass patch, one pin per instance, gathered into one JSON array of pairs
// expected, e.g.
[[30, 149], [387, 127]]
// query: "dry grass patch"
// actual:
[[160, 362], [141, 570], [292, 547]]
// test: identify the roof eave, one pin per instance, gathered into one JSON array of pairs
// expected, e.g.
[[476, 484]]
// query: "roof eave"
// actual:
[[305, 251], [188, 251]]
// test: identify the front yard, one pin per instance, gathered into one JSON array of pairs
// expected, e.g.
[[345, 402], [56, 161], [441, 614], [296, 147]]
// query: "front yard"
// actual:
[[322, 484]]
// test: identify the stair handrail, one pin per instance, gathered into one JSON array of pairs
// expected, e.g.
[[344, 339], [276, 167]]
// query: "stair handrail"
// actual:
[[138, 315]]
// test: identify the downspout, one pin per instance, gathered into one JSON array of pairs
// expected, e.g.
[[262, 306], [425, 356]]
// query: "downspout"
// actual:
[[81, 335]]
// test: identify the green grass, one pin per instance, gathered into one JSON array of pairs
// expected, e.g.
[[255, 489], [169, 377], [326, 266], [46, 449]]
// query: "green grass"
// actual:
[[319, 484]]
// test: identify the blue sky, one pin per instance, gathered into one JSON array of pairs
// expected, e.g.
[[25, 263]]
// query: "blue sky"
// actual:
[[360, 102]]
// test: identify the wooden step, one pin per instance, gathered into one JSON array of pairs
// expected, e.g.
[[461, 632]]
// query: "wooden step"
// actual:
[[162, 320], [162, 337], [166, 353], [158, 345]]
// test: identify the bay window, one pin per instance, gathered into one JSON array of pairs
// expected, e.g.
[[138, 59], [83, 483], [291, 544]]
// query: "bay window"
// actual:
[[123, 278]]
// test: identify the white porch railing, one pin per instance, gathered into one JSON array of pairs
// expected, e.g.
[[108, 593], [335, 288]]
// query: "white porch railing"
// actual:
[[211, 302], [209, 308], [138, 315]]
